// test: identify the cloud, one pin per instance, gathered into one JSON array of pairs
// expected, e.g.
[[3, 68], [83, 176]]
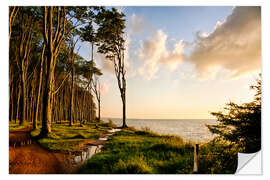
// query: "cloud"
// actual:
[[234, 45], [136, 24], [154, 54]]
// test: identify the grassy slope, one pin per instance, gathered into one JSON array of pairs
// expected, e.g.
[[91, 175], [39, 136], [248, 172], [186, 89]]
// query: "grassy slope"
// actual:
[[139, 152], [133, 151], [66, 138]]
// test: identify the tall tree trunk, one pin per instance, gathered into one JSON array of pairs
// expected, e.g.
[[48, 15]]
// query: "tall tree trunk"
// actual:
[[12, 15], [10, 97], [23, 101], [47, 98], [71, 105], [53, 38], [11, 101], [124, 109], [32, 109], [18, 104], [99, 111], [24, 51], [121, 80], [39, 87]]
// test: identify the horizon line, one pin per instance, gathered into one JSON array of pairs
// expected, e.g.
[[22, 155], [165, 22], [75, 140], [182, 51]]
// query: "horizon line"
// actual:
[[159, 118]]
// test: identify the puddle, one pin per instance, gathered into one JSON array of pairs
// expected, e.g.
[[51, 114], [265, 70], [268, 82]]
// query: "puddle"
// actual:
[[86, 153], [114, 130], [103, 139], [88, 150]]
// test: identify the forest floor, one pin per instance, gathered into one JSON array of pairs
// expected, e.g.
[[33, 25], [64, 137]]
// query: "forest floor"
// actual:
[[65, 138], [33, 158], [51, 155]]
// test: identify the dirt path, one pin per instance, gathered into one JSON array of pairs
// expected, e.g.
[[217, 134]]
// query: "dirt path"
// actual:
[[27, 158]]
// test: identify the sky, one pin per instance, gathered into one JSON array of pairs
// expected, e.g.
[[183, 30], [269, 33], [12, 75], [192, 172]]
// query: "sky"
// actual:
[[183, 62]]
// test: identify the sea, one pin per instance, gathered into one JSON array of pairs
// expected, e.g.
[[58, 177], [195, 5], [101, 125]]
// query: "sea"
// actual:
[[194, 130]]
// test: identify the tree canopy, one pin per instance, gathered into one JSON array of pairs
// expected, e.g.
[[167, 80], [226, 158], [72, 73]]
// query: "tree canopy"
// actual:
[[241, 124]]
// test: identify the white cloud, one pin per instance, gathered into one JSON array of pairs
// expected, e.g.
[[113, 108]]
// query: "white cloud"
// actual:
[[233, 48], [234, 45], [154, 54]]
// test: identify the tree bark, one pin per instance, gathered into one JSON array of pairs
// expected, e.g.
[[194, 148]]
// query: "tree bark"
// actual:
[[39, 87], [53, 38], [98, 105], [12, 14], [10, 97], [71, 107], [47, 99], [18, 104], [124, 110], [23, 101]]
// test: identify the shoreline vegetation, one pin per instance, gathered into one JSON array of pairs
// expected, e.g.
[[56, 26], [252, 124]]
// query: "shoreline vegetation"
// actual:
[[133, 151]]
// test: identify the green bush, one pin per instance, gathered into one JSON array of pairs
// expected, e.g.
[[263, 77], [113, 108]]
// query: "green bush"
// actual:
[[217, 157]]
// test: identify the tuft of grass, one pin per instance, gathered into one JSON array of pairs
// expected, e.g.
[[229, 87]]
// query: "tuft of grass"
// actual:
[[132, 166]]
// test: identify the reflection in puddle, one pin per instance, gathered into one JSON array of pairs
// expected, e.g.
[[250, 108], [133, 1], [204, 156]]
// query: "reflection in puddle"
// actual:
[[88, 150], [87, 153]]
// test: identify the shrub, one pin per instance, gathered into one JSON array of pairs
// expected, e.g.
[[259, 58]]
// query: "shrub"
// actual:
[[241, 124]]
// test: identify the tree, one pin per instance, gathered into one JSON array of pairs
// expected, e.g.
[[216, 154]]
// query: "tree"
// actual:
[[241, 124], [71, 105], [54, 26], [13, 10], [86, 70], [39, 87], [96, 89], [24, 52], [39, 48], [111, 42], [25, 32], [88, 34]]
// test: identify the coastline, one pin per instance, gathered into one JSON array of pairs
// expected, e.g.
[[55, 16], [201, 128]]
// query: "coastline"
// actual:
[[189, 129]]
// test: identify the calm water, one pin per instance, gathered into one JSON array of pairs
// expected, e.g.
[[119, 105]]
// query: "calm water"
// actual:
[[190, 129]]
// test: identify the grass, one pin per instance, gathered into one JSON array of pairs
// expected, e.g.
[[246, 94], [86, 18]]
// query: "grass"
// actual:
[[16, 126], [66, 138], [144, 152], [134, 151], [141, 152]]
